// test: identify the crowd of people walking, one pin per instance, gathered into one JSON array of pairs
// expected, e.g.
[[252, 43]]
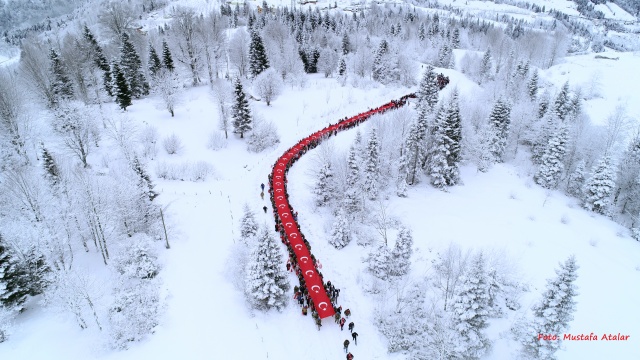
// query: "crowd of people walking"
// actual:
[[286, 224]]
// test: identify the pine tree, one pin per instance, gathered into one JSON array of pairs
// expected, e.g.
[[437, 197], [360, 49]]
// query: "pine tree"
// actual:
[[258, 61], [13, 290], [144, 183], [401, 180], [562, 104], [471, 310], [61, 85], [372, 166], [552, 166], [422, 32], [452, 140], [266, 281], [455, 40], [323, 189], [167, 59], [500, 119], [576, 180], [415, 144], [121, 88], [340, 232], [380, 65], [352, 203], [627, 194], [554, 312], [346, 44], [51, 171], [379, 262], [155, 64], [241, 113], [99, 60], [445, 56], [342, 67], [428, 90], [248, 224], [532, 86], [131, 68], [599, 187], [401, 253], [485, 66]]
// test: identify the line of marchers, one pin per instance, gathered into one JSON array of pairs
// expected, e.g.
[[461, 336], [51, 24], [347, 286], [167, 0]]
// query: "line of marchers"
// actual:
[[593, 337]]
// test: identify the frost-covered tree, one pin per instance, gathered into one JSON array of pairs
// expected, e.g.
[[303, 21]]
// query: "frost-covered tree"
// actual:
[[562, 105], [500, 119], [131, 67], [51, 171], [379, 262], [346, 44], [552, 314], [627, 193], [449, 266], [167, 85], [445, 155], [239, 51], [258, 61], [61, 85], [137, 259], [486, 66], [266, 281], [73, 122], [241, 114], [120, 88], [576, 180], [145, 184], [385, 69], [445, 56], [428, 90], [248, 224], [599, 187], [323, 188], [401, 179], [352, 200], [6, 323], [268, 85], [96, 54], [340, 232], [552, 167], [263, 136], [328, 61], [372, 166], [401, 253], [342, 67], [471, 310], [13, 279]]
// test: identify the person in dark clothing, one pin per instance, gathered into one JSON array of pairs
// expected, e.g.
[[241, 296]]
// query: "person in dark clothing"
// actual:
[[354, 336], [347, 313], [265, 209], [262, 186], [351, 325], [346, 345], [342, 321], [349, 356], [318, 323]]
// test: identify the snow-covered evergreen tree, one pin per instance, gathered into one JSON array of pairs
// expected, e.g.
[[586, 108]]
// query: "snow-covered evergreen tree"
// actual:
[[372, 166], [144, 180], [401, 253], [401, 179], [266, 281], [379, 262], [485, 66], [120, 88], [552, 314], [576, 180], [599, 187], [323, 189], [241, 114], [352, 199], [61, 85], [627, 193], [258, 61], [13, 289], [444, 158], [346, 44], [99, 60], [342, 67], [552, 166], [167, 59], [340, 232], [471, 309], [51, 171], [415, 145], [562, 105], [385, 65], [131, 68], [248, 224], [155, 64], [428, 90], [455, 39], [500, 119]]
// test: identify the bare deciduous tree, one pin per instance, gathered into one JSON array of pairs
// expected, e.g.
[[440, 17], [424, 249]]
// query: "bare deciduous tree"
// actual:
[[186, 31]]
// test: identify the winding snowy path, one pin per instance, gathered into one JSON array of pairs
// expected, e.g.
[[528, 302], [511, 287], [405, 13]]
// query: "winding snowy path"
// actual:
[[285, 215]]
